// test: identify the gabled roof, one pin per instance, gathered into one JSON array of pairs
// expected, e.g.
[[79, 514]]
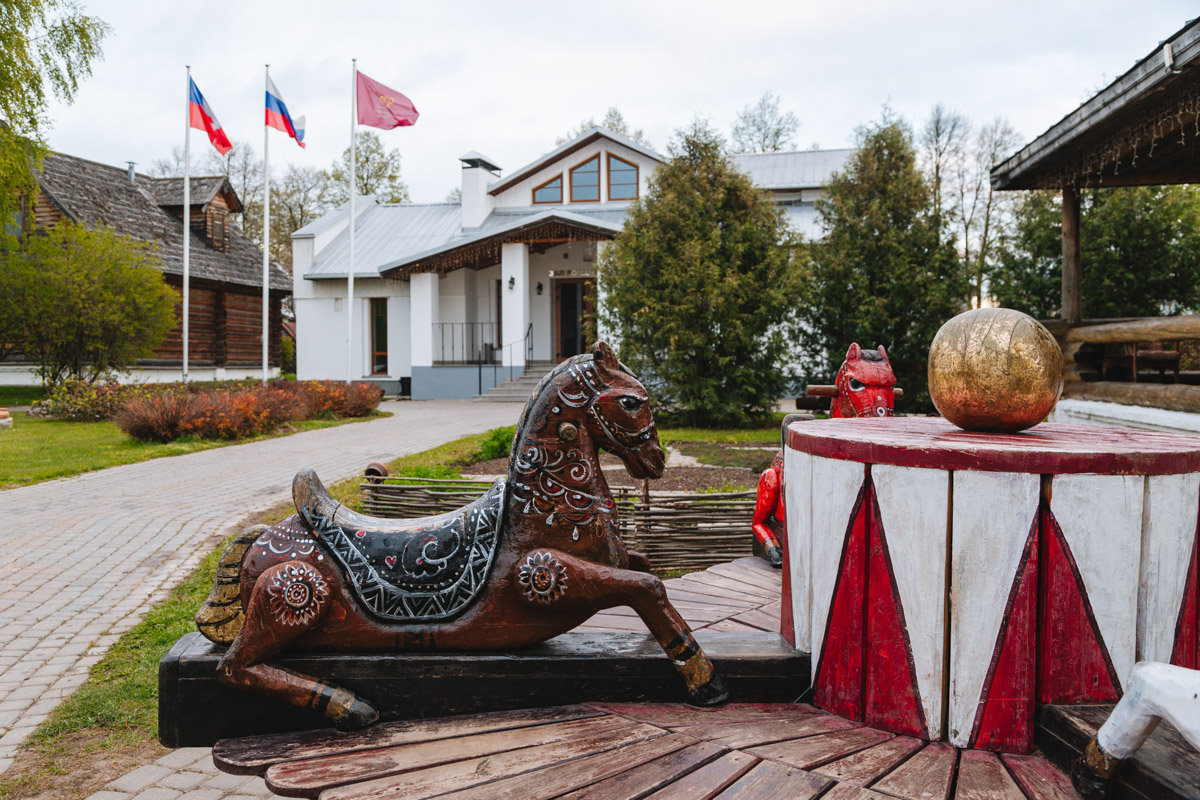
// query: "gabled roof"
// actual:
[[564, 150], [95, 194], [169, 191], [800, 169], [1138, 130]]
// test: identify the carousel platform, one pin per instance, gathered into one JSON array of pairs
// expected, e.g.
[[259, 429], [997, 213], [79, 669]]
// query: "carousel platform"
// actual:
[[627, 751]]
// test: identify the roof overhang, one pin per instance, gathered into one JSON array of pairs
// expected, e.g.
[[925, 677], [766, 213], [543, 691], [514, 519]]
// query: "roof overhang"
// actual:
[[561, 152], [483, 250], [1139, 130]]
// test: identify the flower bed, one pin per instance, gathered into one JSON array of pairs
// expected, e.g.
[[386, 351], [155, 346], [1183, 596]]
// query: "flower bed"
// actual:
[[243, 411]]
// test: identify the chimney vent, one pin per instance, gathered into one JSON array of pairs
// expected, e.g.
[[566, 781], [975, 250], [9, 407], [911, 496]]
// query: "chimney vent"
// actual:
[[132, 174]]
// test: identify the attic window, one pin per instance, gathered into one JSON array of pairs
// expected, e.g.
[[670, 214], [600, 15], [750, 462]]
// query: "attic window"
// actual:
[[549, 192], [585, 181], [622, 179]]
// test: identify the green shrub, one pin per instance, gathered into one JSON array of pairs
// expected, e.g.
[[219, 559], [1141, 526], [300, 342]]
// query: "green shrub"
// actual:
[[498, 443], [287, 355], [76, 400]]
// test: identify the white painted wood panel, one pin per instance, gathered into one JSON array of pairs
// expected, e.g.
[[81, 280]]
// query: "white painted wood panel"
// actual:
[[1168, 533], [914, 508], [797, 489], [835, 487], [1101, 520], [993, 513]]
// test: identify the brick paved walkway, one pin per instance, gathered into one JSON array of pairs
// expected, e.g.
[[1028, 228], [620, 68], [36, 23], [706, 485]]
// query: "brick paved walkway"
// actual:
[[81, 559]]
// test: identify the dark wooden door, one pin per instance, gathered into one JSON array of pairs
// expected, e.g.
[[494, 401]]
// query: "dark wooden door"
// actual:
[[573, 309]]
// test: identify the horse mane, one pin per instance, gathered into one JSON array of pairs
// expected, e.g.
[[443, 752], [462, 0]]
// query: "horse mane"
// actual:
[[871, 355], [547, 379]]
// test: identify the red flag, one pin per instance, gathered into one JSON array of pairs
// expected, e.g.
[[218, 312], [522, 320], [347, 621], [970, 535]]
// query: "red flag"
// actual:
[[381, 107]]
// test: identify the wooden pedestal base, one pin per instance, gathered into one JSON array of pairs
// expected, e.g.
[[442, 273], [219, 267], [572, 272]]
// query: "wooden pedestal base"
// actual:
[[195, 711]]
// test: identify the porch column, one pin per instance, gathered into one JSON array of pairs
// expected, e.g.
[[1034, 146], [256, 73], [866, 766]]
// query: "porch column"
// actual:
[[514, 291], [602, 331], [423, 314], [1072, 267]]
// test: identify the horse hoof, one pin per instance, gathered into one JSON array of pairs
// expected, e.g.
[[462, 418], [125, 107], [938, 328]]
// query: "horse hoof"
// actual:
[[775, 556], [356, 715], [1088, 783], [712, 693]]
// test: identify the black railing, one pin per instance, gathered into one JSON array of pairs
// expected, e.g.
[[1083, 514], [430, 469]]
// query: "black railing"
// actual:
[[466, 342]]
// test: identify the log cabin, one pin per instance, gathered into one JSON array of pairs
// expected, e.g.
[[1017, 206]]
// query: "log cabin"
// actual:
[[225, 320]]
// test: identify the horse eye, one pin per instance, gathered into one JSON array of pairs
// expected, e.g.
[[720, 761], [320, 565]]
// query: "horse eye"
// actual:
[[630, 403], [856, 385]]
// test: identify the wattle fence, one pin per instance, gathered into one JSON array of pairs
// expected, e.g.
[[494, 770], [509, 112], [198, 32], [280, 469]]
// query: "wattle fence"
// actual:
[[674, 530]]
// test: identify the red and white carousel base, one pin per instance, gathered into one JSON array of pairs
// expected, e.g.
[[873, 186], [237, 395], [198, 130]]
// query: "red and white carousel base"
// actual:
[[947, 582]]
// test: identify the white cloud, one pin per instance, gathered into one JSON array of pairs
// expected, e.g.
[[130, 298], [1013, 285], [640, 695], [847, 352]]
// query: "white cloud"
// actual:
[[507, 78]]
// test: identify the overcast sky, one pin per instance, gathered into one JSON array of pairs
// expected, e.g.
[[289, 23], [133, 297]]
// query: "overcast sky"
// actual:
[[507, 78]]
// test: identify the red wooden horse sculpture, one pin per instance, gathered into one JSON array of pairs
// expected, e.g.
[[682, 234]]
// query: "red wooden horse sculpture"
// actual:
[[865, 387], [533, 558]]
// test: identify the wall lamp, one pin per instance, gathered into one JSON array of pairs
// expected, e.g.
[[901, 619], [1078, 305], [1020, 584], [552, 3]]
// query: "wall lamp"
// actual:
[[539, 287], [512, 282]]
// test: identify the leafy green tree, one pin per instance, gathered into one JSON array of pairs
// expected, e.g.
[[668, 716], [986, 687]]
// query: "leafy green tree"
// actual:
[[882, 275], [48, 47], [89, 301], [699, 286], [763, 128], [376, 171], [612, 121], [1139, 246]]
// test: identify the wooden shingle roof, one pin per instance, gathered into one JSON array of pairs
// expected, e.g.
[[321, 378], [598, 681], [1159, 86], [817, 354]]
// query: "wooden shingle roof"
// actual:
[[94, 194]]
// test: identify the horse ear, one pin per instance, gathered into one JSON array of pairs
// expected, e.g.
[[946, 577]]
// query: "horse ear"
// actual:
[[604, 358], [883, 353], [854, 353]]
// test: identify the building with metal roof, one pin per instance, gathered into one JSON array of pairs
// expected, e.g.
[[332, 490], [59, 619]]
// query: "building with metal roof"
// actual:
[[450, 298]]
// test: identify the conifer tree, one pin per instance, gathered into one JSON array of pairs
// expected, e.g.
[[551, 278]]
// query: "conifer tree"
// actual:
[[881, 275], [700, 286]]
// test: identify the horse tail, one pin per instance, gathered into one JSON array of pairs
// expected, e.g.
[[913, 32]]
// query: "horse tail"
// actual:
[[221, 616]]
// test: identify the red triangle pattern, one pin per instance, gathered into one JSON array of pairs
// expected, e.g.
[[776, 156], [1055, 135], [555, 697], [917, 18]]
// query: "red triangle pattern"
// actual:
[[1186, 652], [1073, 664], [891, 701], [1005, 719], [839, 685]]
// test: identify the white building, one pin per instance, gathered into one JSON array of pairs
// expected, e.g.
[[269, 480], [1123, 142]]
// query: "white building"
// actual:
[[451, 298]]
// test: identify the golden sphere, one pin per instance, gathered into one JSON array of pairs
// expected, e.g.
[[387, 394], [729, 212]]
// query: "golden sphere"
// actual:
[[994, 369]]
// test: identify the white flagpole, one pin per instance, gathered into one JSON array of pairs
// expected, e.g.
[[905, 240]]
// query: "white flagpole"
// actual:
[[350, 282], [266, 297], [187, 215]]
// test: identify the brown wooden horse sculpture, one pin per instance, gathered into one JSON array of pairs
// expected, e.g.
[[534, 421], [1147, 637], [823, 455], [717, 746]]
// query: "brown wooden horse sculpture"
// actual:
[[534, 557]]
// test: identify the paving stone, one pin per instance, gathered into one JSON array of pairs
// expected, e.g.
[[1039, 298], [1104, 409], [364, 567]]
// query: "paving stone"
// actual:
[[139, 779], [256, 787], [184, 757], [109, 795], [182, 780], [202, 794], [157, 793], [225, 782]]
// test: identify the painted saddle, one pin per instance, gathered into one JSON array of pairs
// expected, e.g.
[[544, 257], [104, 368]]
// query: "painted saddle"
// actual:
[[425, 569]]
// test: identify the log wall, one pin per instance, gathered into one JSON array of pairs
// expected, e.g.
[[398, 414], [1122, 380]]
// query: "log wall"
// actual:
[[225, 327]]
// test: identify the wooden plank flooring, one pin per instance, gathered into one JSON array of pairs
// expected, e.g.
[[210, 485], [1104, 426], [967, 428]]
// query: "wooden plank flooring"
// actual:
[[736, 597], [619, 751], [633, 751]]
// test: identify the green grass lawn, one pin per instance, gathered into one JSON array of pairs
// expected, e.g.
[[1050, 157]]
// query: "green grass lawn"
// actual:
[[20, 395], [36, 450]]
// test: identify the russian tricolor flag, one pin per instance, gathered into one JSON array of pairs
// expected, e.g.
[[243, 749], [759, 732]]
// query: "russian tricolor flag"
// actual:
[[203, 118], [278, 116]]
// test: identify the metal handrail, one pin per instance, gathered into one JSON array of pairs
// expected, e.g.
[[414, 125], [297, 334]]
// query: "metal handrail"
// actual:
[[468, 342]]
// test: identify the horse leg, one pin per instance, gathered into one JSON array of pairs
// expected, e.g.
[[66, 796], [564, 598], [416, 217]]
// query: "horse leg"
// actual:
[[287, 601], [553, 578]]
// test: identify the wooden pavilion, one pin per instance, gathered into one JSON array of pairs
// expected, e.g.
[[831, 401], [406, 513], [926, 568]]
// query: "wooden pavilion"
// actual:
[[1143, 129]]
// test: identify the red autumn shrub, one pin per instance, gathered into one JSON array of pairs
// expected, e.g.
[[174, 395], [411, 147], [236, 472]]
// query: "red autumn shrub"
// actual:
[[241, 410]]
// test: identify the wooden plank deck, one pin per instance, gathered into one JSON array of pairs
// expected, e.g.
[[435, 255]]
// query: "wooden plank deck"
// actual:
[[628, 751], [739, 596]]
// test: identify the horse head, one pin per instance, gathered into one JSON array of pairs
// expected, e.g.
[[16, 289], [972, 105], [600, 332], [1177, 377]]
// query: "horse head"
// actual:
[[619, 419], [865, 384]]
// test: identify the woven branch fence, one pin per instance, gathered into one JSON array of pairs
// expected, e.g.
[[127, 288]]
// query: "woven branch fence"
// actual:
[[674, 530]]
